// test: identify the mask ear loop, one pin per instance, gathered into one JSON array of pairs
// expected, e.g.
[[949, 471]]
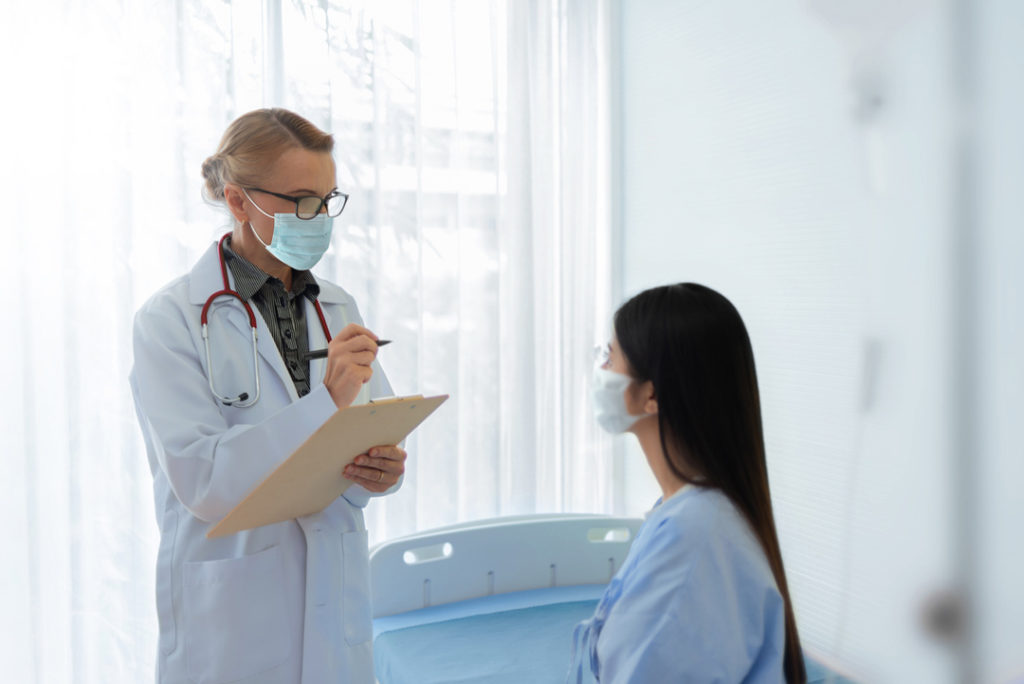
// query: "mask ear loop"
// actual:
[[265, 245], [258, 208], [270, 216]]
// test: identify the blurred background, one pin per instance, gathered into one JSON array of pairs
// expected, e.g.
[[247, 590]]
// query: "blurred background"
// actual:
[[848, 172]]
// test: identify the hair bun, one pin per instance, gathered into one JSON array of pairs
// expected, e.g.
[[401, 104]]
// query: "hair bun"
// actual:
[[212, 173]]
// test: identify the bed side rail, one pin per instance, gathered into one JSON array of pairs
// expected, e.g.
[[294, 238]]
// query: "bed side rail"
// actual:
[[497, 556]]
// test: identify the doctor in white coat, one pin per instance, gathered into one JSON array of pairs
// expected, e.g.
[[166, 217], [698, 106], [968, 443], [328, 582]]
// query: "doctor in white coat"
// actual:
[[289, 602]]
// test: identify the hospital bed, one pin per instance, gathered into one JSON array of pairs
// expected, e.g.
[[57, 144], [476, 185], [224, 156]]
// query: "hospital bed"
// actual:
[[495, 601]]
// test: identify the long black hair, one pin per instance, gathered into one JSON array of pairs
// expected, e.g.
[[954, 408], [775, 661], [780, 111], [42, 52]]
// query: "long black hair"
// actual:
[[690, 342]]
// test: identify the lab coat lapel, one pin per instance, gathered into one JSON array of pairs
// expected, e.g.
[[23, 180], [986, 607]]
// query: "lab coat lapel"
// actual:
[[317, 340], [205, 280]]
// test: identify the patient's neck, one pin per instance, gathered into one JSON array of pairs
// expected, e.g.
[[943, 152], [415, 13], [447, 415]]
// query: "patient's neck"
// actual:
[[649, 435]]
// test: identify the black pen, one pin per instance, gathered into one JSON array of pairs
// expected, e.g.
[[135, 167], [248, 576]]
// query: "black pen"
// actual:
[[322, 353]]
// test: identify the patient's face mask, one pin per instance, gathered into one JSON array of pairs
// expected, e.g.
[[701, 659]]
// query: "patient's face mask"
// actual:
[[299, 243], [609, 396]]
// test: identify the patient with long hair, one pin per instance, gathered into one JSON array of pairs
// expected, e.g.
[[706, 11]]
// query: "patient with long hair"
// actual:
[[702, 596]]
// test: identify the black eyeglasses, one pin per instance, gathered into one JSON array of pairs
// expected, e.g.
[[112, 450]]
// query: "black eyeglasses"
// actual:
[[310, 206]]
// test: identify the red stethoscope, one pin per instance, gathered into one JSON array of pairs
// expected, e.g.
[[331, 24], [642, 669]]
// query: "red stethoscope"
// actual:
[[242, 400]]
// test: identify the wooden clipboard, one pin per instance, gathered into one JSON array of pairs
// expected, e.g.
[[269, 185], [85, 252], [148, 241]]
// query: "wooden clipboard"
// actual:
[[310, 479]]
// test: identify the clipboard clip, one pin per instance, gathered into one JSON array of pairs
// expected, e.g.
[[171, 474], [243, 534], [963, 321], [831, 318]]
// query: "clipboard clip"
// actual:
[[395, 398]]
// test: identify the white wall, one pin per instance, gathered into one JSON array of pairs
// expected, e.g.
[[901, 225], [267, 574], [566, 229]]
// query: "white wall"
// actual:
[[1000, 320], [748, 166]]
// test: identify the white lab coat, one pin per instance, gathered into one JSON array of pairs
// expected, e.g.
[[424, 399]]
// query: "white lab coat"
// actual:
[[284, 603]]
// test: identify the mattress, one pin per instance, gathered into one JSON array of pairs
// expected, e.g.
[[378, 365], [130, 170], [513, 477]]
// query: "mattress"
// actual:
[[522, 636]]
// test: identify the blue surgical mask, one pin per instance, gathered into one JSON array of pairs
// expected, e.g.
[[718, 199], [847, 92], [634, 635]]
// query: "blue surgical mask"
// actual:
[[299, 243]]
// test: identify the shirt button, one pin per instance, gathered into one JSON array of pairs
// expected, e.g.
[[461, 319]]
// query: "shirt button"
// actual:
[[288, 333]]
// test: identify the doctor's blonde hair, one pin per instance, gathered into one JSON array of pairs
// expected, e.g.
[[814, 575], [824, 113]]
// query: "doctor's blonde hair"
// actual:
[[253, 142]]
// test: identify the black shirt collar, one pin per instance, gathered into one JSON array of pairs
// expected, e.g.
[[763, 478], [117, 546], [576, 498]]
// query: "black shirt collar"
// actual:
[[249, 279]]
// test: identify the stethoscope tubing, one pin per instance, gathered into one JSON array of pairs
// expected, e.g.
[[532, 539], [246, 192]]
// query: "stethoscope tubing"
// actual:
[[242, 400]]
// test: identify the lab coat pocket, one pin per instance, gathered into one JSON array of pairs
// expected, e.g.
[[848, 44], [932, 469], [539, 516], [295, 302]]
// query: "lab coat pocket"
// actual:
[[356, 587], [236, 620]]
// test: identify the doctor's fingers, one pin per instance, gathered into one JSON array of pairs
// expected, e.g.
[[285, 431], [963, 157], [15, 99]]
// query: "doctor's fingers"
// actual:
[[383, 475], [372, 484], [387, 458], [344, 370], [355, 374], [353, 330], [350, 358], [379, 469], [373, 479], [359, 343]]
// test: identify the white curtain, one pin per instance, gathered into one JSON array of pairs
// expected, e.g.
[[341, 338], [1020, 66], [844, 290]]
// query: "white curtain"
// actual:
[[473, 137]]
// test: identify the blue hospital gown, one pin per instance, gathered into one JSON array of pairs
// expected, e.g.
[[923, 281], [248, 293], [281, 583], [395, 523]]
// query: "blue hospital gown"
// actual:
[[694, 601]]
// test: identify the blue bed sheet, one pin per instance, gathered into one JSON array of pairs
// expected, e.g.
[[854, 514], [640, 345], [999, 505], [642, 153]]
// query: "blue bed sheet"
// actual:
[[504, 639]]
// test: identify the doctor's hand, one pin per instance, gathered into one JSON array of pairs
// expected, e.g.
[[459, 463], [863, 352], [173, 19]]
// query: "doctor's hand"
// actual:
[[349, 355], [377, 470]]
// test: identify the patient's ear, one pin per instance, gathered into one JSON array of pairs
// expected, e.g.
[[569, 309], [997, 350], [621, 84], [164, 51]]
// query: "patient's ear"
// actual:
[[650, 399]]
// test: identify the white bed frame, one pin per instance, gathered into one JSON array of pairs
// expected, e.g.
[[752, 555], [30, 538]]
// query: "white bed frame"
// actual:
[[497, 556]]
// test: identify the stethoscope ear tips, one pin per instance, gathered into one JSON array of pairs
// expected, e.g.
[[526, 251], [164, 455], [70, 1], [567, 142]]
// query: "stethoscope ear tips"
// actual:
[[241, 397]]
